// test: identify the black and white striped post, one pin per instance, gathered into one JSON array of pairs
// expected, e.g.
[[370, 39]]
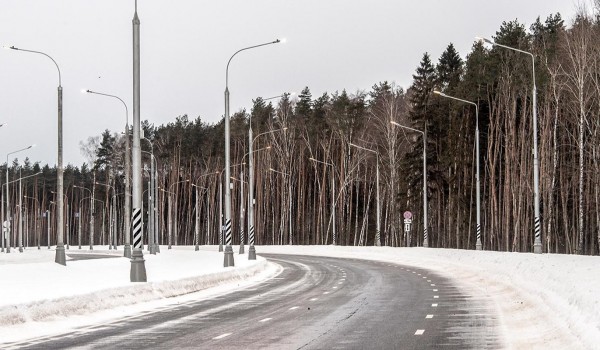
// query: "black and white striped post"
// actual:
[[138, 267]]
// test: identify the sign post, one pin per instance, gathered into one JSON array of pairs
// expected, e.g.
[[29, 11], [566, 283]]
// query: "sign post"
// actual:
[[407, 226]]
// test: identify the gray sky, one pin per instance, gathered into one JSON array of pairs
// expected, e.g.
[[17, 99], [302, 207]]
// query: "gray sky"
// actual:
[[185, 45]]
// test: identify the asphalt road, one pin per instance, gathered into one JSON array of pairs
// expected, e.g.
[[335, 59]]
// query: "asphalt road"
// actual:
[[314, 303]]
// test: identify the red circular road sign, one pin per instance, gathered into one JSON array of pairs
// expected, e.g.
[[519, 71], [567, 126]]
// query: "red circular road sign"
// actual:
[[407, 215]]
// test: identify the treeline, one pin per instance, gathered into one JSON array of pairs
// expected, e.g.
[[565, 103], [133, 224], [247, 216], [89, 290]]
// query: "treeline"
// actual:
[[293, 201]]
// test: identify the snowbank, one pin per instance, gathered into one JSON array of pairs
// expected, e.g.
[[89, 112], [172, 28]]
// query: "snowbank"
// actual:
[[38, 289]]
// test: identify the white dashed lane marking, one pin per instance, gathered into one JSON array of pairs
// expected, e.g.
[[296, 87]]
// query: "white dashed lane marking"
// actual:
[[436, 297], [433, 305], [294, 307], [435, 290], [266, 319], [429, 316], [314, 299], [419, 332], [222, 336]]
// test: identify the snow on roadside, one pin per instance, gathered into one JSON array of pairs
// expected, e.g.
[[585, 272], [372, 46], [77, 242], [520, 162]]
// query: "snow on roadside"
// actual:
[[44, 291], [544, 301]]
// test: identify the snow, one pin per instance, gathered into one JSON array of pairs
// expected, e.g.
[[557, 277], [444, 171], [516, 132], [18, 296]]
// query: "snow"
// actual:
[[541, 301]]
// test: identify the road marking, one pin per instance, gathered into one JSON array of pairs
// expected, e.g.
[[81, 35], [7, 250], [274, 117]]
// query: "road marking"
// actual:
[[414, 272], [335, 287], [340, 282], [222, 336], [313, 299], [294, 307], [433, 285], [436, 297], [419, 332], [424, 277], [429, 316], [419, 274], [266, 319], [325, 292], [433, 305], [435, 290]]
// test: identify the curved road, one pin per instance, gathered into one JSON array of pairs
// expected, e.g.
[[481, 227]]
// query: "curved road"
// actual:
[[314, 303]]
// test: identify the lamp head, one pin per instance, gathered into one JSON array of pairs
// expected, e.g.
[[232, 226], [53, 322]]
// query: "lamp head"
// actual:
[[439, 93], [483, 40], [31, 146], [282, 40]]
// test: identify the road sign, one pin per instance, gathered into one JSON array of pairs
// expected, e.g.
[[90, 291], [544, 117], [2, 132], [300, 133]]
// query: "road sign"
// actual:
[[407, 224], [407, 215]]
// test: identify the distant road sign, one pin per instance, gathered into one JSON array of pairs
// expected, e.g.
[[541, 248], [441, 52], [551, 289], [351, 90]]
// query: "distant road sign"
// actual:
[[407, 215]]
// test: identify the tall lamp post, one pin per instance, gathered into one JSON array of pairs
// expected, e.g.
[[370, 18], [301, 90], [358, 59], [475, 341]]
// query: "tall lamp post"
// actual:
[[378, 233], [8, 198], [228, 258], [114, 238], [91, 215], [137, 272], [21, 206], [537, 244], [425, 234], [333, 195], [170, 214], [153, 223], [126, 217], [60, 257], [478, 245]]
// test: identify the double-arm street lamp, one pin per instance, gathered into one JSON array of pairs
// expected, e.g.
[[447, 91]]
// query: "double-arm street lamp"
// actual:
[[60, 257], [537, 244], [8, 199], [126, 217], [333, 195], [378, 232], [228, 258], [478, 245], [170, 212], [425, 235]]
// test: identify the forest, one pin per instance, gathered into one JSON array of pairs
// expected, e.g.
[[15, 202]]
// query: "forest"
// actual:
[[294, 194]]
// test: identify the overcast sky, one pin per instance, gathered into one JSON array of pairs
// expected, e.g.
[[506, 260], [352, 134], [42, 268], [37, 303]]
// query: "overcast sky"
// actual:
[[185, 44]]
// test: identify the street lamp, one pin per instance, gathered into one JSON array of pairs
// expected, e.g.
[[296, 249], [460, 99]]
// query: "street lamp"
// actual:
[[289, 198], [242, 182], [126, 217], [207, 210], [537, 244], [36, 219], [228, 258], [21, 207], [137, 273], [197, 226], [91, 216], [378, 232], [222, 227], [8, 198], [332, 194], [114, 223], [60, 257], [153, 245], [170, 212], [252, 250], [425, 235], [478, 245]]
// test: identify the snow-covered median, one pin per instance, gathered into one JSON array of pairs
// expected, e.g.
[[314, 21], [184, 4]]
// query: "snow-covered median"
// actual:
[[543, 301], [36, 289]]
